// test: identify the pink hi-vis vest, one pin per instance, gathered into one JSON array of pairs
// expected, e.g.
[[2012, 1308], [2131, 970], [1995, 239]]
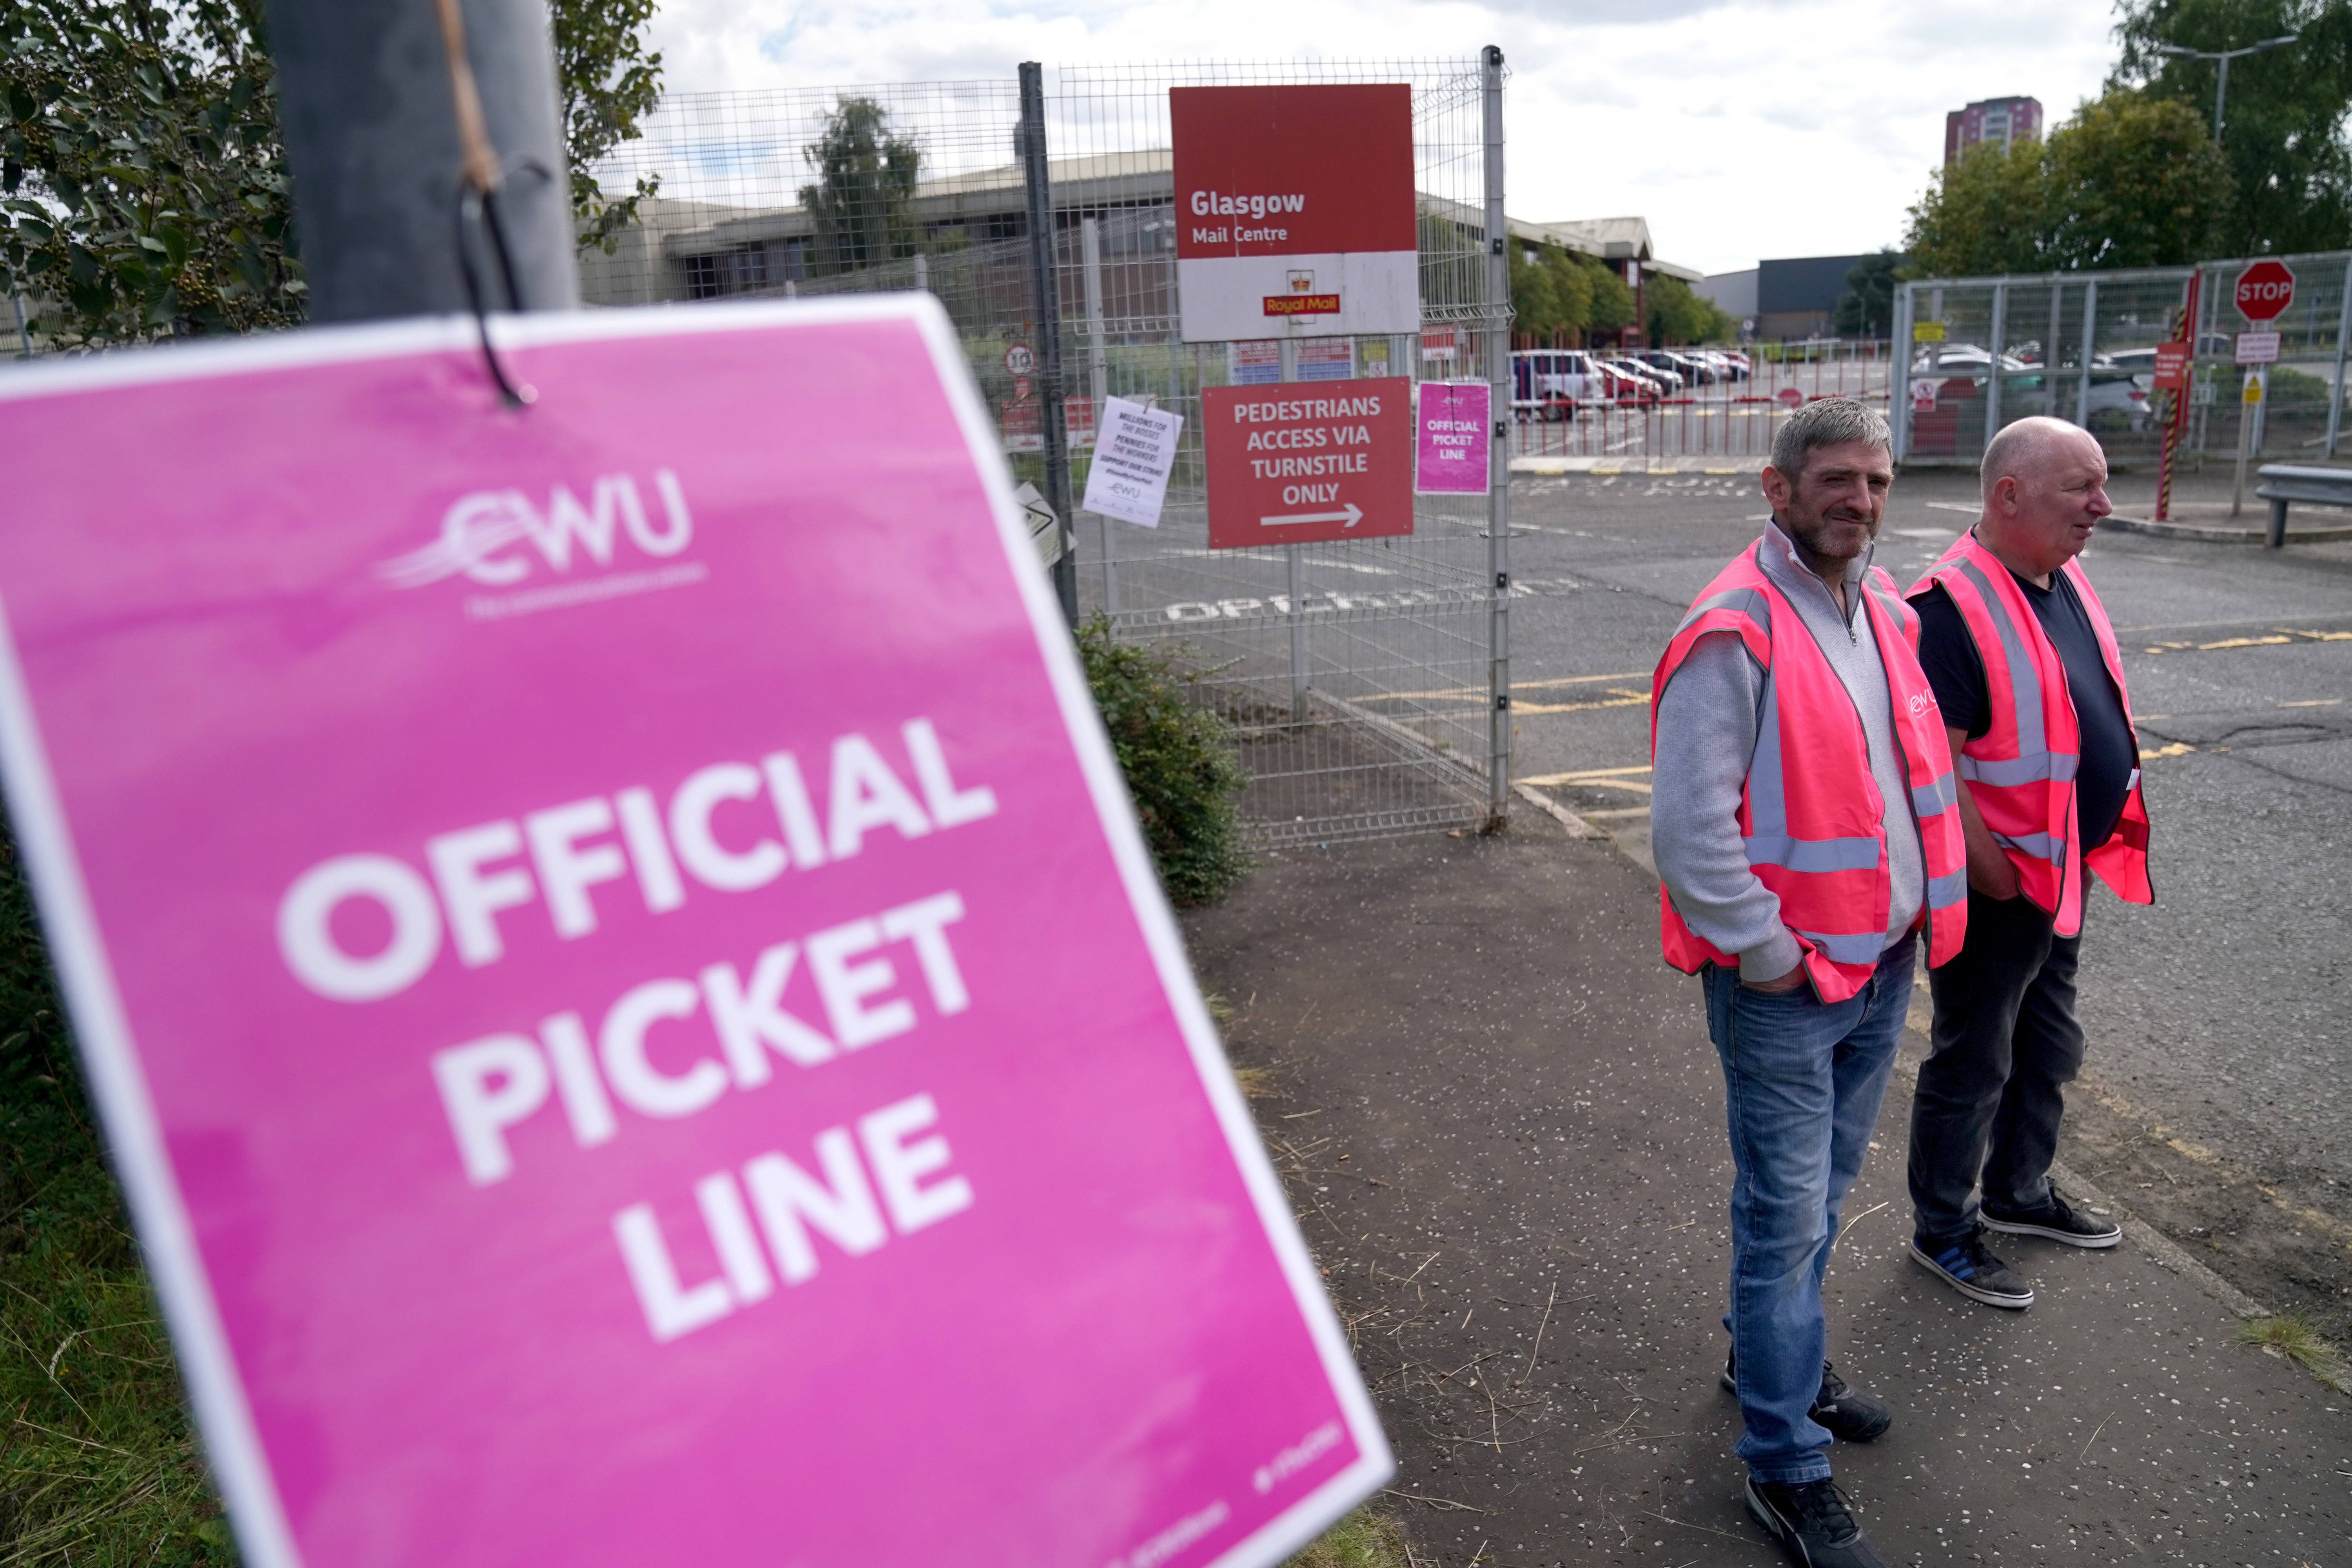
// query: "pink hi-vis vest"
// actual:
[[1810, 813], [2020, 771]]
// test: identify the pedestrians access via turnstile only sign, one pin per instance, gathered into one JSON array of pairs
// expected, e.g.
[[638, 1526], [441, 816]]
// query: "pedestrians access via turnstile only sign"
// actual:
[[1300, 463]]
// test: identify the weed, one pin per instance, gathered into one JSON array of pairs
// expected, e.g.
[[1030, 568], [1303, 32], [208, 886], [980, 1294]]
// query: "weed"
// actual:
[[1179, 762], [1363, 1540], [2287, 1336], [1257, 1083]]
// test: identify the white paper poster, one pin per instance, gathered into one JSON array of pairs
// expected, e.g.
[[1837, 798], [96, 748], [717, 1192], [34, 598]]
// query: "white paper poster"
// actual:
[[1133, 454]]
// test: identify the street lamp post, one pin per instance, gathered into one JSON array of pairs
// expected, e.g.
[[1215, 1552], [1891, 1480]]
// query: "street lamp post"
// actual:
[[2221, 77]]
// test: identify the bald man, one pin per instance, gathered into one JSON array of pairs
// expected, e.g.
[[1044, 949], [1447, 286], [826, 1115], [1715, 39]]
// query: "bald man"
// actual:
[[2024, 663]]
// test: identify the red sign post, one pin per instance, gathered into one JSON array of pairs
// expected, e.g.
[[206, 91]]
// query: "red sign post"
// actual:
[[1294, 211], [1293, 464], [2264, 290]]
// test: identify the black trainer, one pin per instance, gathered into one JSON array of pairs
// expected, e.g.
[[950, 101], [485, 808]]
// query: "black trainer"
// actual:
[[2058, 1220], [1963, 1263], [1851, 1415], [1813, 1524]]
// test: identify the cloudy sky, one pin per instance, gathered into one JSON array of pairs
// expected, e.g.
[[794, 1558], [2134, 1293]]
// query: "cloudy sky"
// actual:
[[1740, 128]]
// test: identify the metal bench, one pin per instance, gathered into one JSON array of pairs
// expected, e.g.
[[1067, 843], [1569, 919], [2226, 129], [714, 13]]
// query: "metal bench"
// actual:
[[2285, 482]]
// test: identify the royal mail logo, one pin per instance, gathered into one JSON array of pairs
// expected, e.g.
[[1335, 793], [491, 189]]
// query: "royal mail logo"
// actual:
[[499, 537]]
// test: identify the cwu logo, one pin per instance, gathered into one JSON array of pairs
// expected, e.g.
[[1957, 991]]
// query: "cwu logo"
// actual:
[[499, 538]]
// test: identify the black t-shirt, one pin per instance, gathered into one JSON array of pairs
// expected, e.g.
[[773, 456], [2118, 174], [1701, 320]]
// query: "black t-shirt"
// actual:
[[1948, 654]]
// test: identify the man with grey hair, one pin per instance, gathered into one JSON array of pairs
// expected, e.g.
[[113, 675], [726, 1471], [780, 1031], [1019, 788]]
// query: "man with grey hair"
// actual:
[[2026, 671], [1802, 819]]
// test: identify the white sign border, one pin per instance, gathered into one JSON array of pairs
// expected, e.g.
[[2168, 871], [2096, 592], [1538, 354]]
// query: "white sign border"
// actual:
[[101, 1027]]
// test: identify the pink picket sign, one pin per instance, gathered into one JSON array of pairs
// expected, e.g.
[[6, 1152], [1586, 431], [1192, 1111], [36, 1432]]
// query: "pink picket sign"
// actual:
[[619, 974], [1451, 428]]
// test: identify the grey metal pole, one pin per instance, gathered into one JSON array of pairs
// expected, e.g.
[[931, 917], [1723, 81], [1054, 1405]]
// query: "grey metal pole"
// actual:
[[371, 133], [2221, 94], [1899, 373], [1295, 571], [2090, 338], [1992, 370], [1046, 295], [1098, 386], [2050, 352], [1498, 460], [2335, 388]]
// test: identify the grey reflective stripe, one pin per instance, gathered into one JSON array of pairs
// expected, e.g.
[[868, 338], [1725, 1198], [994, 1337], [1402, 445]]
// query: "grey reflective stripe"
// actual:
[[1889, 600], [1935, 799], [1945, 892], [2028, 769], [1768, 793], [1861, 947], [1748, 601], [1812, 854], [2040, 845], [2024, 679]]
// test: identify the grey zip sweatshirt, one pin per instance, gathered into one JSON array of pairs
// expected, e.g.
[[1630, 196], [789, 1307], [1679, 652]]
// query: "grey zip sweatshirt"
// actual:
[[1708, 719]]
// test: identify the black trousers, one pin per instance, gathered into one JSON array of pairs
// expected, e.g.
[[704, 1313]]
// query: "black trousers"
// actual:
[[1992, 1090]]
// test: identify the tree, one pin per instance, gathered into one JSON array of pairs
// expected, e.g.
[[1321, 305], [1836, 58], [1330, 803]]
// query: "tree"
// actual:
[[145, 185], [1677, 314], [863, 203], [1866, 308], [1987, 212], [1562, 293], [2137, 183], [2131, 180], [609, 84], [2283, 132], [142, 181]]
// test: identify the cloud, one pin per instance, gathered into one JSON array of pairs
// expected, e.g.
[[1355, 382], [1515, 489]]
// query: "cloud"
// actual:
[[1740, 128]]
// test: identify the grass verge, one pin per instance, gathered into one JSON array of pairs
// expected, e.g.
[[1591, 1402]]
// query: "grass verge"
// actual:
[[98, 1465], [1363, 1540]]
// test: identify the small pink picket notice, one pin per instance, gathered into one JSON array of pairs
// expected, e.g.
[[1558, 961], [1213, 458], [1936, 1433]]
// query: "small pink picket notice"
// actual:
[[635, 1018], [1451, 446]]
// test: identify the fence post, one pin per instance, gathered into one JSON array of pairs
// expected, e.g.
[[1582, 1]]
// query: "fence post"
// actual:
[[2335, 391], [1992, 370], [371, 127], [1098, 386], [1898, 374], [1294, 566], [2090, 337], [1498, 475], [1047, 294]]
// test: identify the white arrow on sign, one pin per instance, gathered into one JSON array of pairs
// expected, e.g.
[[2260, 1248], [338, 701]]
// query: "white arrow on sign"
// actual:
[[1352, 516]]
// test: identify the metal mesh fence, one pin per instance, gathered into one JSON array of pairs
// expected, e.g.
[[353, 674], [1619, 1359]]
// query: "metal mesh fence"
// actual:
[[1600, 405], [1355, 674], [2082, 347]]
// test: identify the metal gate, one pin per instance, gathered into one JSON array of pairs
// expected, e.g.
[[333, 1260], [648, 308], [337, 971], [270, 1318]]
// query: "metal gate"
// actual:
[[2080, 346], [1368, 682]]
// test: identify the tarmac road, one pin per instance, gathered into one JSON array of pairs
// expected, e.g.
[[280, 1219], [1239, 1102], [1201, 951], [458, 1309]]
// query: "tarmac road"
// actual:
[[2216, 1088]]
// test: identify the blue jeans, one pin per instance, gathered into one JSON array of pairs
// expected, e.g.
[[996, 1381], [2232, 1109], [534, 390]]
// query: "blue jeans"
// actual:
[[1802, 1083]]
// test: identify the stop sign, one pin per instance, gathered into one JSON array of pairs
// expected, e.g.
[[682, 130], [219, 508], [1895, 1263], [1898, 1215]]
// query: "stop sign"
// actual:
[[2264, 290]]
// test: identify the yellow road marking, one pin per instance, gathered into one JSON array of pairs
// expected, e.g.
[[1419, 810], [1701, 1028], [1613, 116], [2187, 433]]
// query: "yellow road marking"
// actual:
[[2327, 1224], [2241, 642], [1516, 686], [1594, 778], [2315, 702], [1617, 700], [2178, 749]]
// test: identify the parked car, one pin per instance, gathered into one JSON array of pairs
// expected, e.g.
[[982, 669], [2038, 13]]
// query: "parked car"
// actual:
[[1644, 383], [1660, 363], [1665, 381], [1548, 384], [1688, 371]]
